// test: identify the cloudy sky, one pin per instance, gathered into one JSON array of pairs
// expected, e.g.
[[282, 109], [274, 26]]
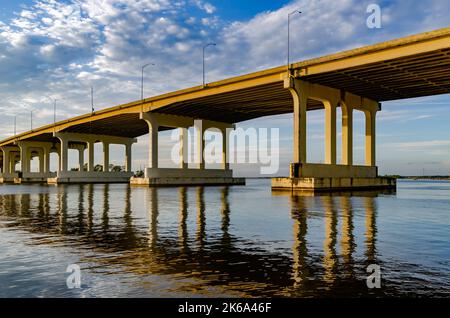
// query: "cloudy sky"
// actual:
[[59, 49]]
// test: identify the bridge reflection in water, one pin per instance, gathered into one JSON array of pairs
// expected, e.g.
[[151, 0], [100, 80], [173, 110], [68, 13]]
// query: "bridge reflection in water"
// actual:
[[89, 219]]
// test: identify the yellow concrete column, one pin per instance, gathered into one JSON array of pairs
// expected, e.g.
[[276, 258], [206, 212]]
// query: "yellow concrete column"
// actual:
[[370, 138], [184, 147], [225, 146], [128, 158], [330, 132], [153, 126], [300, 98], [347, 134], [23, 158], [64, 154], [12, 162], [41, 162], [153, 145], [6, 161], [105, 156], [200, 146], [80, 158], [91, 145], [46, 159]]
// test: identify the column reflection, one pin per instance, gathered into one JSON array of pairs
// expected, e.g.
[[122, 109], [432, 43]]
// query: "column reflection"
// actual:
[[153, 217], [105, 214], [348, 240], [329, 246], [226, 239], [371, 228], [299, 213], [182, 227], [201, 219]]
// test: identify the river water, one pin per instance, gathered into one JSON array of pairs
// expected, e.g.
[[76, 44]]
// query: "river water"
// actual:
[[223, 242]]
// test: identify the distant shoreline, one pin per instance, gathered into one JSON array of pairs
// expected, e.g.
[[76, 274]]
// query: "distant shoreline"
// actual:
[[420, 177], [389, 176]]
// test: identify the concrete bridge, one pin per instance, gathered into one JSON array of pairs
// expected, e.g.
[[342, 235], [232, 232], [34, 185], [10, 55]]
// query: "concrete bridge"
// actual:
[[355, 80]]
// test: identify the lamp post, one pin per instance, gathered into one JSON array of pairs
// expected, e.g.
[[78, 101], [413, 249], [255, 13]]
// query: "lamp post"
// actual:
[[204, 48], [92, 99], [142, 79], [54, 108], [289, 39]]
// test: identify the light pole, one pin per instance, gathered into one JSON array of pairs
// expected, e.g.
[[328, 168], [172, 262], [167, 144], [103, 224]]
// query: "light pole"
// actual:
[[289, 39], [54, 108], [204, 48], [92, 99], [142, 79]]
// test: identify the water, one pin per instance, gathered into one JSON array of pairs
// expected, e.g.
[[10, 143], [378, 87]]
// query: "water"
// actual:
[[218, 241]]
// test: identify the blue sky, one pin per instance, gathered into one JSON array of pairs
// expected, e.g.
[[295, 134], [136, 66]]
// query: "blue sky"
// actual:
[[61, 48]]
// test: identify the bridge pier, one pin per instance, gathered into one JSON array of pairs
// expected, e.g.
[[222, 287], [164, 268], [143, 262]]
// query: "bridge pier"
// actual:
[[91, 175], [306, 176], [156, 176], [9, 156], [24, 152]]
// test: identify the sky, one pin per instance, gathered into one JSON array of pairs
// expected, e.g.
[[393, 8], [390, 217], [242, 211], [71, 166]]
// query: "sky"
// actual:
[[58, 49]]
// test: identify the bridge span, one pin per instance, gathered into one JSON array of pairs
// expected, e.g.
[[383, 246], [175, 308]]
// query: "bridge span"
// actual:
[[354, 80]]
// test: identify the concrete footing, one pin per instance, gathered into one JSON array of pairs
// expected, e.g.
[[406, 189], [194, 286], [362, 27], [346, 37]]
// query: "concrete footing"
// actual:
[[333, 184], [186, 181]]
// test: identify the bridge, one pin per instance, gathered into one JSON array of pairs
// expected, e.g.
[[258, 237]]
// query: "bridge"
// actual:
[[354, 80]]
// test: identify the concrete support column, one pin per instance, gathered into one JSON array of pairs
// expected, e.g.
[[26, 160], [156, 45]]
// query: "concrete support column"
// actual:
[[23, 158], [6, 161], [81, 158], [105, 157], [347, 135], [153, 145], [128, 158], [91, 156], [41, 162], [153, 127], [330, 133], [225, 149], [370, 138], [200, 143], [12, 162], [300, 105], [46, 159], [63, 154], [184, 147]]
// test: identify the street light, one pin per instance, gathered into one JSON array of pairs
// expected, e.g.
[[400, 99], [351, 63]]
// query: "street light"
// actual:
[[288, 39], [142, 79], [92, 99], [54, 107], [204, 48]]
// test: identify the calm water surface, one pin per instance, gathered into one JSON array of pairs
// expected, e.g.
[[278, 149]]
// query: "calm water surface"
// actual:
[[218, 241]]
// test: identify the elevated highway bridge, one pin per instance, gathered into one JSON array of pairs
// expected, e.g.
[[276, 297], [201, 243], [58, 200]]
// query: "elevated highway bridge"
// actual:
[[358, 79]]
